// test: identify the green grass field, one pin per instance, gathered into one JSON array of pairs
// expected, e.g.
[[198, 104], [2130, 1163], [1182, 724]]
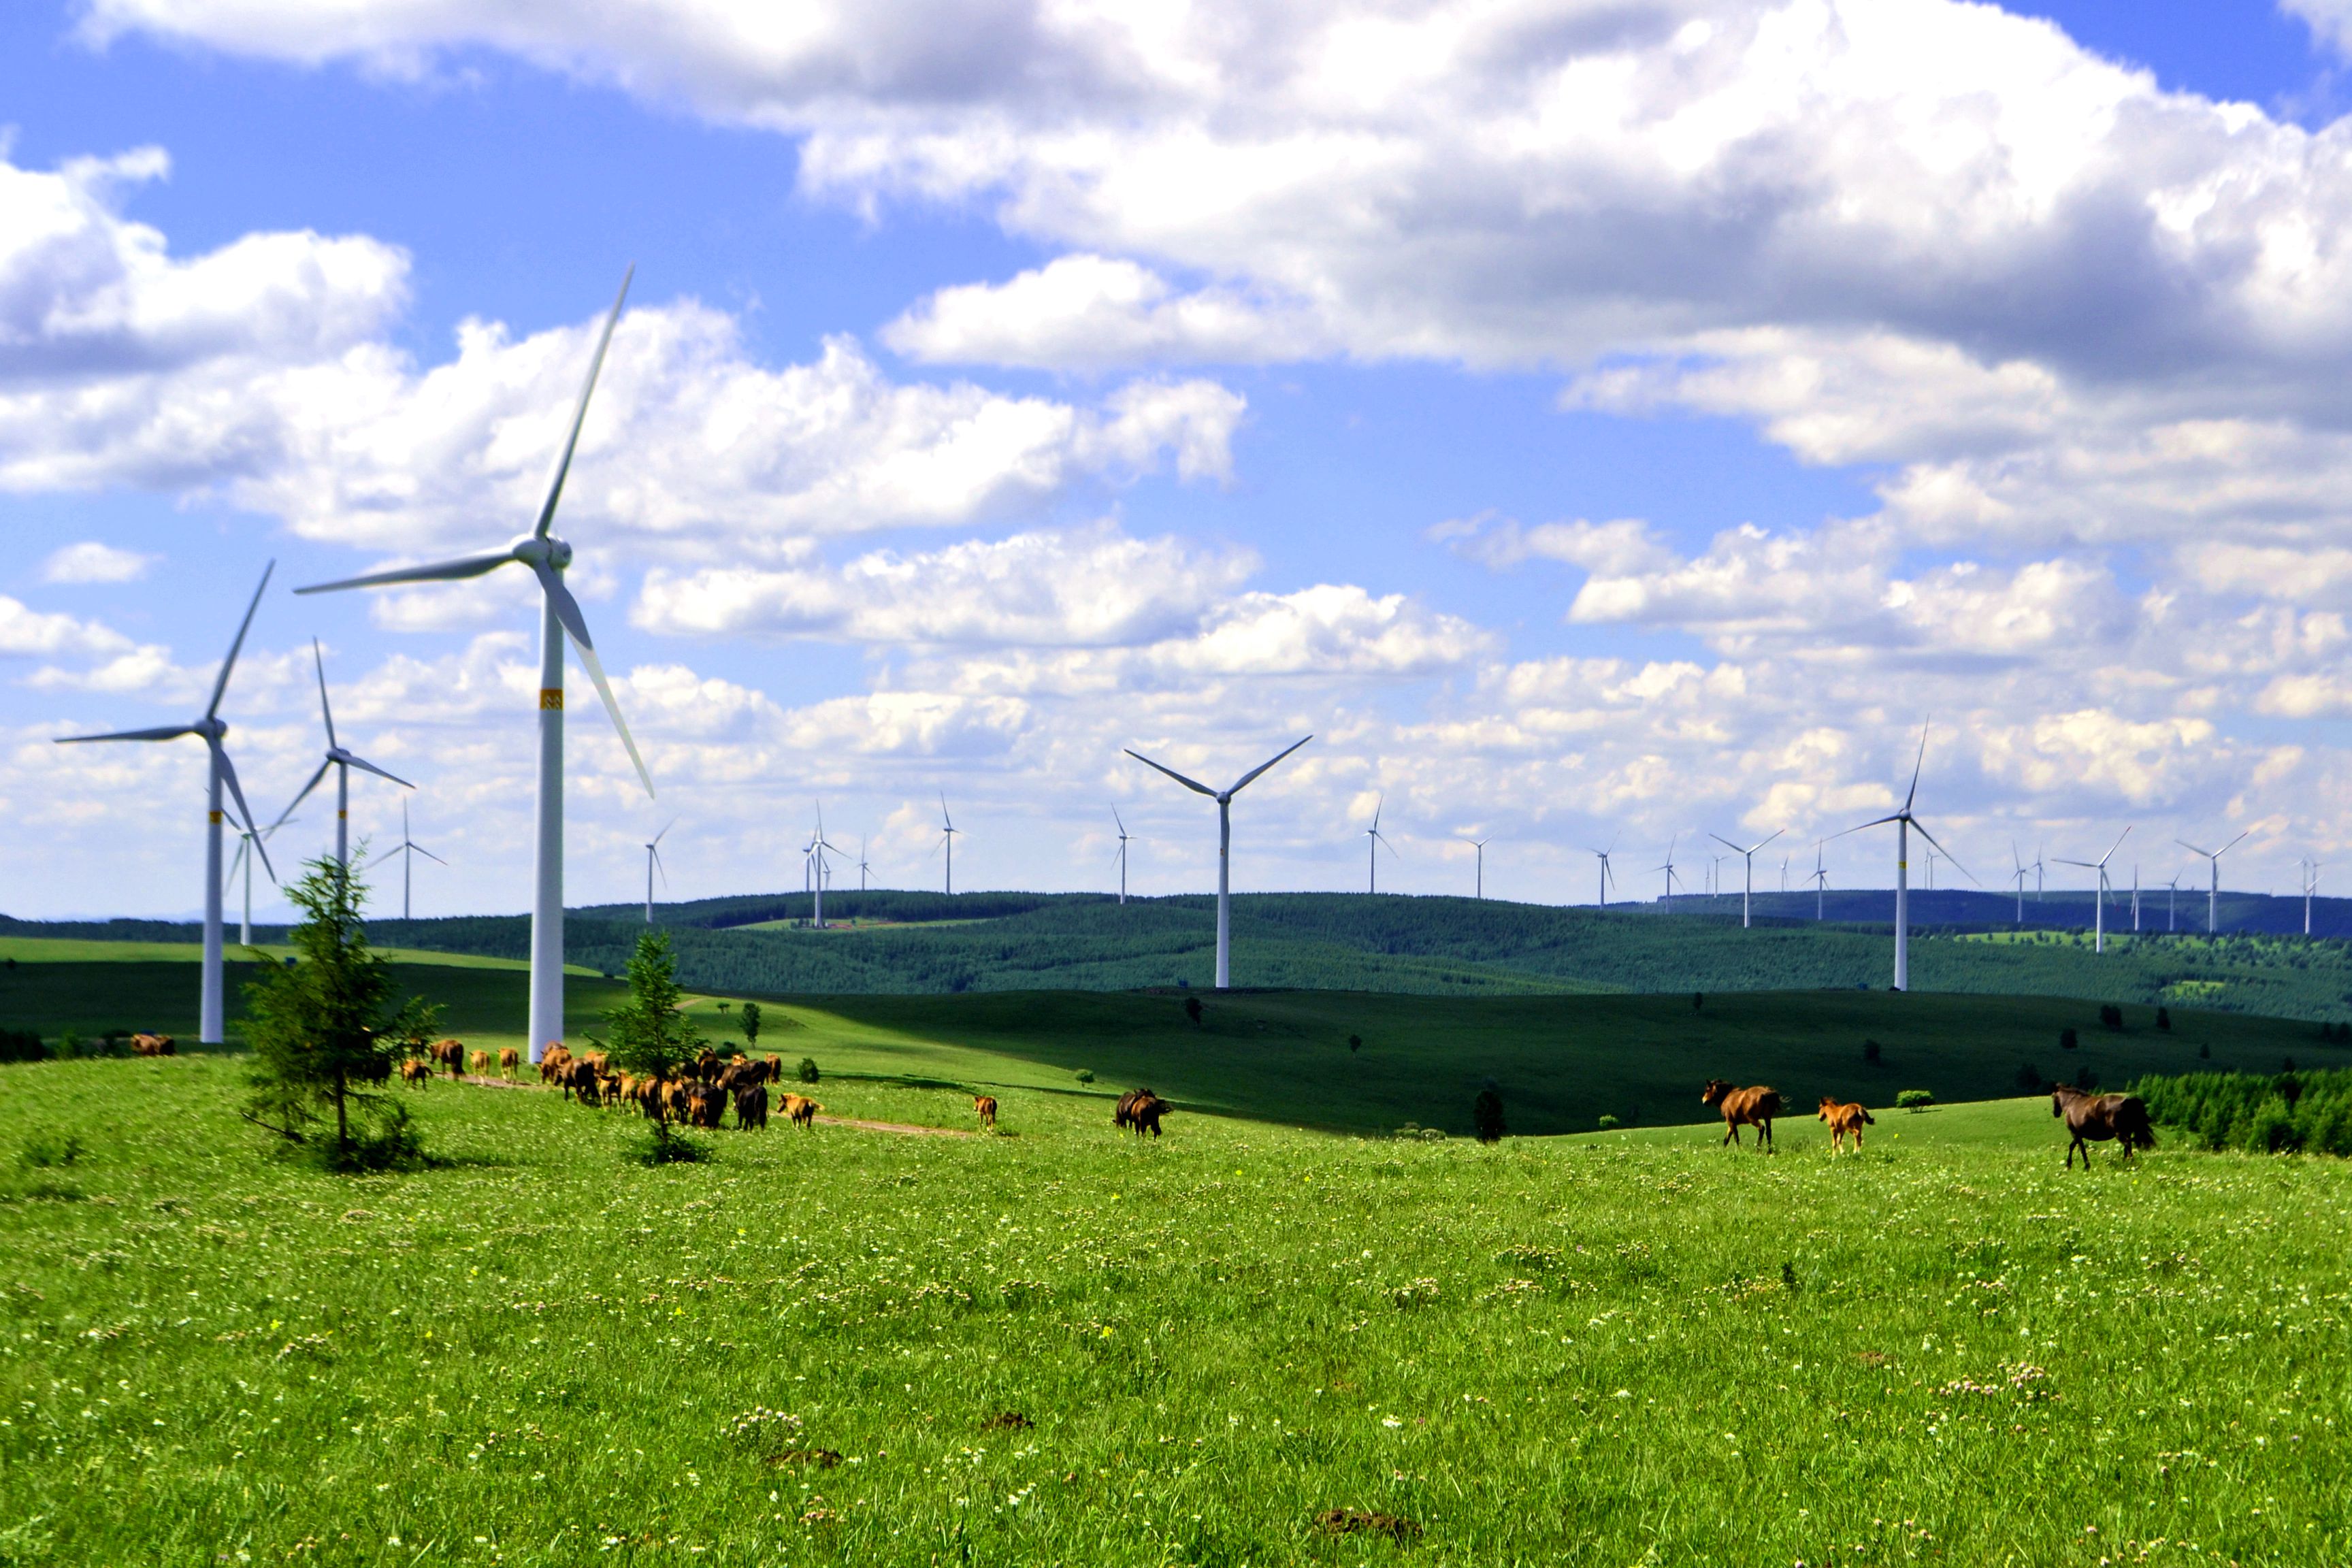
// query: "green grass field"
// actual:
[[1064, 1347]]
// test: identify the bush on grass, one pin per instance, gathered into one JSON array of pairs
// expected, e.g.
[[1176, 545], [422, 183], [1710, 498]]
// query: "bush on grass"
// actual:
[[1914, 1100]]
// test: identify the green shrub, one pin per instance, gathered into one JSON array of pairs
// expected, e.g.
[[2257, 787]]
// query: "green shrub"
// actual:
[[22, 1046], [1914, 1100], [2067, 1039], [1486, 1113], [2308, 1112], [1869, 1050], [42, 1152], [1085, 1076], [1610, 1123], [808, 1070]]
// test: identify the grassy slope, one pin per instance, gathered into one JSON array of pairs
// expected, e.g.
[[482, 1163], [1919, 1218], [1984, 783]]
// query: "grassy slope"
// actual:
[[1562, 1062], [1600, 1350]]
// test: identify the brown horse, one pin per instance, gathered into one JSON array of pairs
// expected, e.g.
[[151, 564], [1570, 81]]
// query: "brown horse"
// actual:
[[984, 1106], [2096, 1118], [1850, 1118], [1755, 1107]]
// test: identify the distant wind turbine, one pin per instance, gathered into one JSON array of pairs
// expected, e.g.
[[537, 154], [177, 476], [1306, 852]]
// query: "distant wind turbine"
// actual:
[[861, 866], [2099, 907], [244, 861], [2172, 904], [1669, 870], [2213, 889], [1748, 888], [948, 830], [548, 557], [2020, 877], [1607, 876], [1373, 842], [1480, 844], [1224, 799], [653, 865], [1821, 880], [1123, 837], [1784, 872], [2135, 898], [212, 729], [1904, 823], [2310, 886], [818, 845], [407, 850], [342, 762]]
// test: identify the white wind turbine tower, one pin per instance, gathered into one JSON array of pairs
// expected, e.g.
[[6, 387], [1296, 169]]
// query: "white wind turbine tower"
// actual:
[[948, 830], [2310, 886], [1748, 888], [862, 870], [1480, 846], [407, 850], [547, 556], [1904, 823], [1374, 841], [2172, 904], [2213, 889], [342, 762], [1784, 872], [1224, 799], [1607, 876], [1821, 881], [1123, 837], [211, 729], [2099, 905], [2135, 898], [2020, 879], [653, 865]]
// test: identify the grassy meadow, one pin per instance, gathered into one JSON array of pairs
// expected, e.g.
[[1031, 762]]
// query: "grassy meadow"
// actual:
[[1058, 1346]]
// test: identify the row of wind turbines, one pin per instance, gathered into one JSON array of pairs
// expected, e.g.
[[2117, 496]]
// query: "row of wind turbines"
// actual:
[[548, 556]]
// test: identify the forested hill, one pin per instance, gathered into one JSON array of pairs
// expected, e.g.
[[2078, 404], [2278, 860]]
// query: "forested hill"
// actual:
[[927, 942]]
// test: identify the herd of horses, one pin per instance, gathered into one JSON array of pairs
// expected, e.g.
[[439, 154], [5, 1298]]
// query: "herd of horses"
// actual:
[[2091, 1118]]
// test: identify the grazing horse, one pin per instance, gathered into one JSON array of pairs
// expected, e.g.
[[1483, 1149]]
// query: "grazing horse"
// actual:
[[1139, 1110], [1755, 1107], [2096, 1118], [1852, 1117], [509, 1060], [985, 1105]]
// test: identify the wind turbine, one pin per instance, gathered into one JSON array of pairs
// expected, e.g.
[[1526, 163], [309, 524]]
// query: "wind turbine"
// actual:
[[2213, 889], [2310, 886], [1123, 837], [1480, 846], [211, 729], [1224, 799], [2038, 870], [653, 864], [948, 830], [547, 556], [862, 867], [1669, 870], [2020, 877], [1607, 876], [342, 762], [1748, 888], [1904, 823], [2135, 898], [818, 845], [2099, 905], [244, 861], [1784, 872], [1373, 841], [2172, 904], [1821, 880], [407, 850]]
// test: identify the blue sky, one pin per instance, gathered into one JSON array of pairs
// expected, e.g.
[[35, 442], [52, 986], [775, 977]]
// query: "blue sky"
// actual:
[[1461, 491]]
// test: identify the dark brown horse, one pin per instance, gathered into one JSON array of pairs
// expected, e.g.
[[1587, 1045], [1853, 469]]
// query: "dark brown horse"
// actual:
[[1140, 1111], [2096, 1118], [1757, 1107]]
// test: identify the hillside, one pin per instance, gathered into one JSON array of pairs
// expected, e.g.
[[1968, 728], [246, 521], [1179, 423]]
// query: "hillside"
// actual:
[[928, 944]]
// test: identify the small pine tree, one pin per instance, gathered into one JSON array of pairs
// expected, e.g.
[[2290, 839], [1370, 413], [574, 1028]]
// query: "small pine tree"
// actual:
[[751, 1026], [326, 1032], [2067, 1039], [1869, 1050], [2204, 1052], [2164, 1019], [1699, 1000], [1355, 1042], [1486, 1113], [651, 1034], [808, 1070], [1193, 1008]]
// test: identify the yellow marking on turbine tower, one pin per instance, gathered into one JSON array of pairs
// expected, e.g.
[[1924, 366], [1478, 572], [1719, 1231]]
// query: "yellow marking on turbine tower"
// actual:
[[212, 816], [551, 697]]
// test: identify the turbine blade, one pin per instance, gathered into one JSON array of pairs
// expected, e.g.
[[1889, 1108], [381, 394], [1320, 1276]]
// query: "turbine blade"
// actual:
[[2117, 845], [1171, 773], [1910, 799], [1114, 816], [220, 685], [366, 766], [300, 795], [319, 660], [567, 611], [2192, 848], [1763, 841], [428, 854], [444, 572], [666, 827], [1876, 822], [165, 732], [1727, 843], [1267, 763], [1947, 854], [580, 415], [237, 791], [2231, 845]]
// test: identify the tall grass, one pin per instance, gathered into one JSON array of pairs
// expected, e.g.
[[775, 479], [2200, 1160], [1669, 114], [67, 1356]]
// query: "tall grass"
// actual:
[[2304, 1112]]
